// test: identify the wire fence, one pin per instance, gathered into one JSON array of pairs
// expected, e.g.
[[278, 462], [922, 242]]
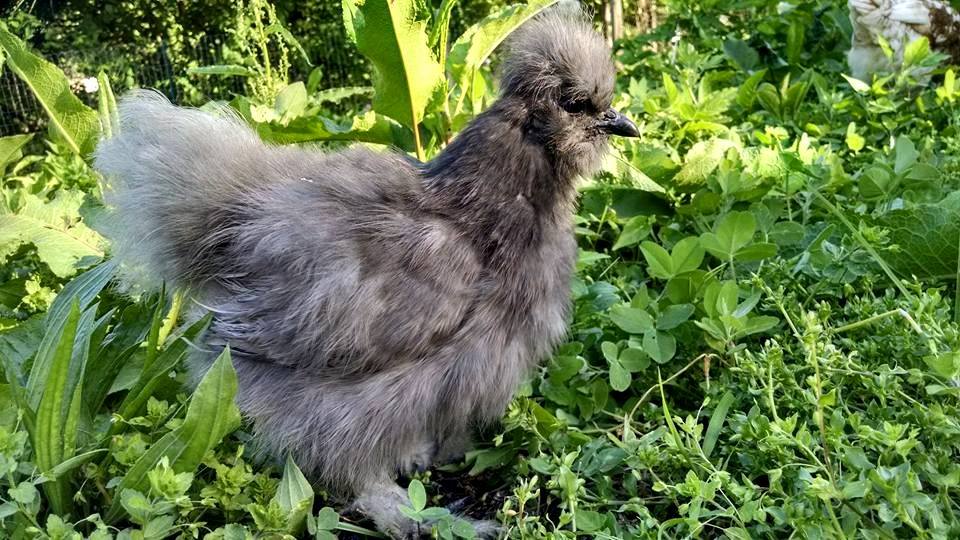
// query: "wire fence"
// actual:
[[20, 112]]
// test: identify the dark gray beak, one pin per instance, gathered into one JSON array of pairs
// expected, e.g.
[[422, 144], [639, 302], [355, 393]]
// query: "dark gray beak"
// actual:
[[614, 123]]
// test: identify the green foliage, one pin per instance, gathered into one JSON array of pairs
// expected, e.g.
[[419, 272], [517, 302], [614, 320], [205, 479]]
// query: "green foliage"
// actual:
[[54, 228], [11, 149], [71, 121], [407, 72], [263, 44]]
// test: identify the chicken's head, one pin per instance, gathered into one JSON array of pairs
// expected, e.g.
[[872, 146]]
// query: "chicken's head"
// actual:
[[560, 72]]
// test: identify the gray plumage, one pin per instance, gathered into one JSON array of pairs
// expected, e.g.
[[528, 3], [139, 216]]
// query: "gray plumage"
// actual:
[[377, 310]]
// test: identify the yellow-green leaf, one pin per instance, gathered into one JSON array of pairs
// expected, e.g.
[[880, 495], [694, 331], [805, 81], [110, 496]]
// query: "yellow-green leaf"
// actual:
[[54, 228], [75, 124], [406, 72]]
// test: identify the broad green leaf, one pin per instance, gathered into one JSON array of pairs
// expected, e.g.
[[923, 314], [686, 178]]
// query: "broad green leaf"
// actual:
[[48, 439], [633, 232], [619, 377], [8, 408], [687, 255], [661, 346], [73, 122], [670, 88], [314, 80], [755, 252], [946, 365], [85, 287], [634, 360], [656, 164], [632, 320], [41, 337], [57, 413], [732, 233], [659, 262], [787, 233], [726, 298], [769, 99], [137, 505], [916, 51], [25, 493], [948, 90], [211, 415], [10, 149], [720, 298], [589, 520], [463, 529], [478, 42], [128, 329], [794, 96], [737, 533], [642, 297], [585, 258], [418, 495], [562, 368], [756, 325], [83, 290], [742, 54], [12, 292], [877, 182], [8, 509], [55, 228], [674, 315], [406, 72], [927, 236], [295, 496], [857, 85], [327, 519], [610, 351], [905, 154], [292, 101]]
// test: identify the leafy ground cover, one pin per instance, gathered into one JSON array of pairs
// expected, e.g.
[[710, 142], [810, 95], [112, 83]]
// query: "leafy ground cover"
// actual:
[[764, 342]]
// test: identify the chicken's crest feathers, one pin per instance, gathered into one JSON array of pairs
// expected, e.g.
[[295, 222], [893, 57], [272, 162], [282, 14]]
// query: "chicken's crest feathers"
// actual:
[[558, 51]]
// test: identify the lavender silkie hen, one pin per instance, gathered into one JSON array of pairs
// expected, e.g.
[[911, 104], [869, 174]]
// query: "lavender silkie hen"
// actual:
[[377, 310]]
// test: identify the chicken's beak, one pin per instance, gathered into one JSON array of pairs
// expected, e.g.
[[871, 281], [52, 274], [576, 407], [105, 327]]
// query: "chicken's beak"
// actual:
[[614, 123]]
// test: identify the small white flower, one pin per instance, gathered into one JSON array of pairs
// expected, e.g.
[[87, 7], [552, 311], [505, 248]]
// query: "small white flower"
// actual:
[[90, 85]]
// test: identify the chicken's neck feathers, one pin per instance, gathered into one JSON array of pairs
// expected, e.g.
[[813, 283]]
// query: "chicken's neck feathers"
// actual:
[[500, 183]]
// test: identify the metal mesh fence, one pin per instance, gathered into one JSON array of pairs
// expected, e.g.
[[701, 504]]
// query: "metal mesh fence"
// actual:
[[20, 112]]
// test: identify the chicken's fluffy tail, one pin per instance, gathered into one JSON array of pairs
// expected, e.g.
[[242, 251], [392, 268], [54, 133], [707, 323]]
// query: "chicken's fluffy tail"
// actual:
[[173, 179]]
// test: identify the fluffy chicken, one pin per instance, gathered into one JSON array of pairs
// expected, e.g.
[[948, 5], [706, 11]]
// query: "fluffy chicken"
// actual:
[[377, 309]]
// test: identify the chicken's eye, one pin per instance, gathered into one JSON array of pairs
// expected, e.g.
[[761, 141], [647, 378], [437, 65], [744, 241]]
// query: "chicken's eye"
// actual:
[[575, 106]]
